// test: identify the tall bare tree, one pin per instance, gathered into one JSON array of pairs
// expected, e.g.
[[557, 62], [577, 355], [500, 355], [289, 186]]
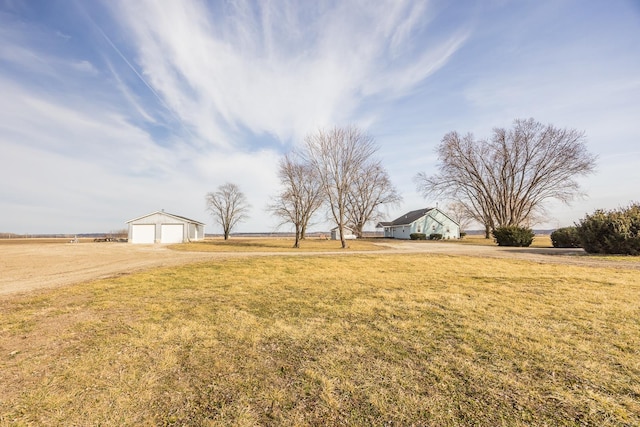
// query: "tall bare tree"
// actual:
[[337, 155], [460, 214], [301, 194], [371, 190], [229, 207], [506, 180]]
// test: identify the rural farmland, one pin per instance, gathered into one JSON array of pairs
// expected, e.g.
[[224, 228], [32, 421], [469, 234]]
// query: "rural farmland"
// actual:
[[405, 333]]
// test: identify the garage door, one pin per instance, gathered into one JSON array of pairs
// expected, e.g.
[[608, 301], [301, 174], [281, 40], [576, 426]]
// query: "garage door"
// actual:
[[143, 233], [171, 233]]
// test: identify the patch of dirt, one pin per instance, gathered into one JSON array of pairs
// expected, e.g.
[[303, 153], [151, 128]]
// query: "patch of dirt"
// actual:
[[26, 267]]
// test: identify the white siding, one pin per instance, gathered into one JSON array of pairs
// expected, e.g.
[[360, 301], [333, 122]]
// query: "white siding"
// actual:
[[196, 232], [164, 228], [348, 234]]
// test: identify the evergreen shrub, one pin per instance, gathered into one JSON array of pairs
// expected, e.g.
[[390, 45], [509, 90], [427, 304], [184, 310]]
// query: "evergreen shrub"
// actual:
[[611, 232], [513, 236], [566, 237]]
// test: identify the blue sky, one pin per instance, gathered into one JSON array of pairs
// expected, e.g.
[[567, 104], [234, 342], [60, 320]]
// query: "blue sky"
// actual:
[[111, 110]]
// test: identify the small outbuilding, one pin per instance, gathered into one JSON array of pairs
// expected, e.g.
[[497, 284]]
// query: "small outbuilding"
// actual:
[[163, 227], [427, 221], [348, 233]]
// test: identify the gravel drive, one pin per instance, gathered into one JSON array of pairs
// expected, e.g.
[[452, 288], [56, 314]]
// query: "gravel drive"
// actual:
[[27, 267]]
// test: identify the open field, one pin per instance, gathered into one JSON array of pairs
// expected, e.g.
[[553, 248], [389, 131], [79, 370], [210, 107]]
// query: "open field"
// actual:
[[315, 244], [366, 339], [28, 264], [34, 264], [260, 244]]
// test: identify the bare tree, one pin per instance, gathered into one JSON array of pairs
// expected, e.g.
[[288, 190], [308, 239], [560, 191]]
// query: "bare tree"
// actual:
[[460, 214], [337, 155], [505, 181], [300, 197], [229, 206], [371, 190]]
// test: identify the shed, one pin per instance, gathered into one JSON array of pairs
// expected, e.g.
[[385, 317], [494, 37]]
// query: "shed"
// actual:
[[163, 227], [428, 221], [348, 233]]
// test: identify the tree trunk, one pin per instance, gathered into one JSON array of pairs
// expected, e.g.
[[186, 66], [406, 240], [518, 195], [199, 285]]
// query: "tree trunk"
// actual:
[[342, 240], [487, 231], [296, 244]]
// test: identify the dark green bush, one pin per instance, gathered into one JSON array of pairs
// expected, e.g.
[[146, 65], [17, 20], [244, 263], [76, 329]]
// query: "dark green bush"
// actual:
[[566, 237], [462, 234], [435, 236], [418, 236], [611, 232], [513, 236]]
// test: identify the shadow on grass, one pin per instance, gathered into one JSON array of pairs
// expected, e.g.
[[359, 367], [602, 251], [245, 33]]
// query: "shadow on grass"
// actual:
[[546, 251]]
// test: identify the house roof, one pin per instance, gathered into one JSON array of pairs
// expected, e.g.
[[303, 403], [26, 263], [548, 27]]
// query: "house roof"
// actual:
[[382, 224], [345, 228], [409, 217], [168, 214]]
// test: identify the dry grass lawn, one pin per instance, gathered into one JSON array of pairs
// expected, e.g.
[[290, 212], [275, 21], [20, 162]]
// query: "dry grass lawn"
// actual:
[[261, 244], [539, 241], [323, 340]]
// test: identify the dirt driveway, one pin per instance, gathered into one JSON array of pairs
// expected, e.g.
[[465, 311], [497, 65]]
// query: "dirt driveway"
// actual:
[[25, 267]]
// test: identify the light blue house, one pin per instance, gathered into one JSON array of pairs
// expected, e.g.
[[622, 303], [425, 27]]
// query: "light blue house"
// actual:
[[427, 221]]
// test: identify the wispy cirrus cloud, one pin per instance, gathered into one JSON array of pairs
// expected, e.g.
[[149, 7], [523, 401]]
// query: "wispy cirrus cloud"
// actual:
[[78, 160], [120, 108], [282, 69]]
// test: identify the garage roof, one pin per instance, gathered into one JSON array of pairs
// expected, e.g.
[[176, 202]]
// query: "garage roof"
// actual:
[[182, 218]]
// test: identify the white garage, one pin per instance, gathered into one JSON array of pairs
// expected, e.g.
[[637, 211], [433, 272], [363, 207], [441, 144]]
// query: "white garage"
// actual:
[[163, 227], [143, 233], [171, 233]]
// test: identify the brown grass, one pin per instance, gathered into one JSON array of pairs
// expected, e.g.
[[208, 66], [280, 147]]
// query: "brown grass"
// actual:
[[42, 240], [263, 244], [359, 340], [539, 241]]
